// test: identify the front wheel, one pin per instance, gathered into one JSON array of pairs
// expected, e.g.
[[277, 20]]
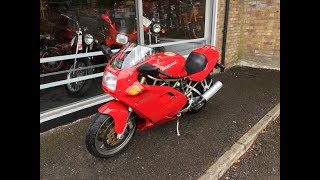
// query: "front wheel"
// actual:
[[101, 139], [79, 88]]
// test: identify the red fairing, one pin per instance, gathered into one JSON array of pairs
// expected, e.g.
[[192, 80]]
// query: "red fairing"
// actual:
[[169, 62], [113, 33], [212, 56], [155, 105], [118, 111], [70, 33]]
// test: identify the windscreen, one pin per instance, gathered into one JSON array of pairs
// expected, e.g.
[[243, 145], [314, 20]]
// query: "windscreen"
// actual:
[[131, 55]]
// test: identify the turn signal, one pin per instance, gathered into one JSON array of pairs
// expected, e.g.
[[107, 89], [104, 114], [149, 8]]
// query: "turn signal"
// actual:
[[135, 89]]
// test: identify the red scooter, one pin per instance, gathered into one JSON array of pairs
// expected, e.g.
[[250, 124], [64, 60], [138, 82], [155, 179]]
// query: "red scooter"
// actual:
[[149, 89]]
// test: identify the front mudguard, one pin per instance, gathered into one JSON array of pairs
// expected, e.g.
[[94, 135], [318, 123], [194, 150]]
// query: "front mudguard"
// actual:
[[118, 111]]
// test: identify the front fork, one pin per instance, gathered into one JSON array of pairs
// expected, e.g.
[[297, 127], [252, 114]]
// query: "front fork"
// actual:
[[79, 43], [120, 136]]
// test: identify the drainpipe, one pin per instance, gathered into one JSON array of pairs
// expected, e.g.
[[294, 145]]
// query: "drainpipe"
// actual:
[[225, 30]]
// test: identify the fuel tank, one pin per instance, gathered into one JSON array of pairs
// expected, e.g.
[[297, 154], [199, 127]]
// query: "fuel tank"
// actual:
[[169, 62]]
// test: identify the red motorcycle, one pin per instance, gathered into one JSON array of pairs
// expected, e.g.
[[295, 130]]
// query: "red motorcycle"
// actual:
[[116, 38], [149, 89], [122, 27]]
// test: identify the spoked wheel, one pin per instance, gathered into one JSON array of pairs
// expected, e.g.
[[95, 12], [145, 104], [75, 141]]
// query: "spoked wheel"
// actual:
[[79, 88], [202, 87], [101, 139], [51, 66]]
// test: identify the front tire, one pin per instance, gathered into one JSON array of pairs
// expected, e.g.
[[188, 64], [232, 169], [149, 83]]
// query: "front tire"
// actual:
[[101, 140], [79, 88]]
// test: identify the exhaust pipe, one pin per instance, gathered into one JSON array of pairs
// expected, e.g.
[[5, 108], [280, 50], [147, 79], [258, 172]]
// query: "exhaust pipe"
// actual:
[[212, 91], [208, 94]]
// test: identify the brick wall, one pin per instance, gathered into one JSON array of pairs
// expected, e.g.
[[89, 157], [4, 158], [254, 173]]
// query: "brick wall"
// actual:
[[253, 29], [234, 27]]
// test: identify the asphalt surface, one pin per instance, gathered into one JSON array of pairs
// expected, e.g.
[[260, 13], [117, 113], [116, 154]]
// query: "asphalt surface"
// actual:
[[262, 161], [248, 94]]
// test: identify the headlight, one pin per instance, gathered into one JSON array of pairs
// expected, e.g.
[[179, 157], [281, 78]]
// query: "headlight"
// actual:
[[123, 39], [88, 39], [156, 28], [110, 81]]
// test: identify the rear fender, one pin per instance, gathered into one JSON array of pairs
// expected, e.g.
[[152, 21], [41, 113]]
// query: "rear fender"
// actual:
[[118, 111]]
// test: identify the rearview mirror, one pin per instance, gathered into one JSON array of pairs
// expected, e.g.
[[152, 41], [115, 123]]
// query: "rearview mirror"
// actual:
[[148, 69], [106, 50]]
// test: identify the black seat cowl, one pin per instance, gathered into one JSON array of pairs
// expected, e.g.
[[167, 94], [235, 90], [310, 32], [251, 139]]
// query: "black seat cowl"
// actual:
[[195, 63]]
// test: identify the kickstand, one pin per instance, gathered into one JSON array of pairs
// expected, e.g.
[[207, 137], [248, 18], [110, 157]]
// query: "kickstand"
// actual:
[[178, 117]]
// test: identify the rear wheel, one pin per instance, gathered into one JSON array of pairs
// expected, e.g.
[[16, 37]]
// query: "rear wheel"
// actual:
[[51, 66], [101, 139], [202, 87]]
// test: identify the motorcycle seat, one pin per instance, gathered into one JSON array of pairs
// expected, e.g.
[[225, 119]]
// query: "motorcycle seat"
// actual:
[[195, 63]]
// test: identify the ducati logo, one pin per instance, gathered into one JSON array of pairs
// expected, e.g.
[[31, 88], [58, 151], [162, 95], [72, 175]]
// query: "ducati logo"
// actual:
[[168, 66]]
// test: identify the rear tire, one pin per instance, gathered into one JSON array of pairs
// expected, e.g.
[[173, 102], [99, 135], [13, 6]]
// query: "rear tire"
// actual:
[[51, 66], [202, 90], [101, 139]]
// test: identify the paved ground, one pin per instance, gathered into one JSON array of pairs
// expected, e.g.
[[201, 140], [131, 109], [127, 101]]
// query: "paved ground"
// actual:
[[248, 94], [261, 62], [262, 161]]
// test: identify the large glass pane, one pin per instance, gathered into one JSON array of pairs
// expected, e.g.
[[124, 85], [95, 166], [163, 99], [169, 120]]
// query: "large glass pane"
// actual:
[[77, 27], [174, 21], [69, 27]]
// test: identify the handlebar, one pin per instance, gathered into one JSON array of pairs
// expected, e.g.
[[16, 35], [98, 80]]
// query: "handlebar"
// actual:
[[70, 19], [220, 66]]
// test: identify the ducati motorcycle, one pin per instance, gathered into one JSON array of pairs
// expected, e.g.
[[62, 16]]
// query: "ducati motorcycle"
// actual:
[[122, 26], [149, 88]]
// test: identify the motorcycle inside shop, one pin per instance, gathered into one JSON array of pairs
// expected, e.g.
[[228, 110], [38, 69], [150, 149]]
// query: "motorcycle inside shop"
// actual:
[[167, 18]]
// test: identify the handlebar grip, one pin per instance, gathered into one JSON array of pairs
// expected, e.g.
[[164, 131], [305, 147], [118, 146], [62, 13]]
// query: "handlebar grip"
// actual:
[[165, 74]]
